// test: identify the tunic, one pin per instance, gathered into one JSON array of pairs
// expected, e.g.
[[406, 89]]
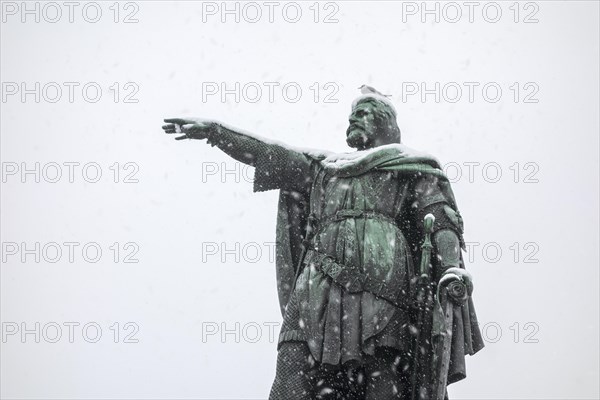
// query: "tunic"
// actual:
[[339, 326]]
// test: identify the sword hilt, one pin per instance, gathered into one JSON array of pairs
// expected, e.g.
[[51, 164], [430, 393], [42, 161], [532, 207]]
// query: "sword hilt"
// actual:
[[426, 247], [428, 223]]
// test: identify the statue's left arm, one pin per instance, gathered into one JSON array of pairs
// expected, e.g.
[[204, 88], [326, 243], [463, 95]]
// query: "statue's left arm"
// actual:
[[431, 198], [433, 195]]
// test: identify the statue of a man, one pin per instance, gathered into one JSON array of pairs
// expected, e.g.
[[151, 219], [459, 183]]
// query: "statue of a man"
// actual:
[[349, 236]]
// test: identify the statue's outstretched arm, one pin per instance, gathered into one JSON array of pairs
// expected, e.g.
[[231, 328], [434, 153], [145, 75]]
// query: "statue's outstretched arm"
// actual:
[[241, 146], [277, 166]]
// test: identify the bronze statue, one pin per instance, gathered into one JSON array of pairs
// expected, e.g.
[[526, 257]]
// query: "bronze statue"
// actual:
[[375, 299]]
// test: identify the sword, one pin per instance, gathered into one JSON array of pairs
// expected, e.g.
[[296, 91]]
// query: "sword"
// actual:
[[424, 300]]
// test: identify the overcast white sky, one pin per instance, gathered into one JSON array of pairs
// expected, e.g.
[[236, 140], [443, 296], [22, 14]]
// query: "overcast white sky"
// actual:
[[538, 299]]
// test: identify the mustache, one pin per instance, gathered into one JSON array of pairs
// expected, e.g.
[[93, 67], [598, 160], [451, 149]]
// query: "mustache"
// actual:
[[355, 126]]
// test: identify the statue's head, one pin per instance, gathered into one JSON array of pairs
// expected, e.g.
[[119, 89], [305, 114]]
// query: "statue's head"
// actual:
[[372, 123]]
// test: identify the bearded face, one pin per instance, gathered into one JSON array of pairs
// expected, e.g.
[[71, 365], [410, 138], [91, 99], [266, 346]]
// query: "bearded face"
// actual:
[[369, 127], [362, 129]]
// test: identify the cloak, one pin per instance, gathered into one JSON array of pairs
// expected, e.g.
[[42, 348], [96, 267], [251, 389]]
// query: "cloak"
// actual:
[[292, 215]]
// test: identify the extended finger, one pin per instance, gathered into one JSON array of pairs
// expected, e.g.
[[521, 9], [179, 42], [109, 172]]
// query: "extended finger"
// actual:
[[181, 137], [179, 121], [172, 129]]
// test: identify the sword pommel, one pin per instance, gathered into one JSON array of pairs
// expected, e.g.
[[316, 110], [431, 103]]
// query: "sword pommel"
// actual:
[[428, 222]]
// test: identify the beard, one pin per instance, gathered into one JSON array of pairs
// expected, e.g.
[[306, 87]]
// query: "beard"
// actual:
[[357, 138]]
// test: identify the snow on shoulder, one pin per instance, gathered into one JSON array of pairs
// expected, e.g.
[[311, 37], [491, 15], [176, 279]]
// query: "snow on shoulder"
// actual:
[[344, 160]]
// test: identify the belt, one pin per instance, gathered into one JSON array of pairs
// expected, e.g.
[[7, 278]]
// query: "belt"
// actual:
[[350, 278]]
